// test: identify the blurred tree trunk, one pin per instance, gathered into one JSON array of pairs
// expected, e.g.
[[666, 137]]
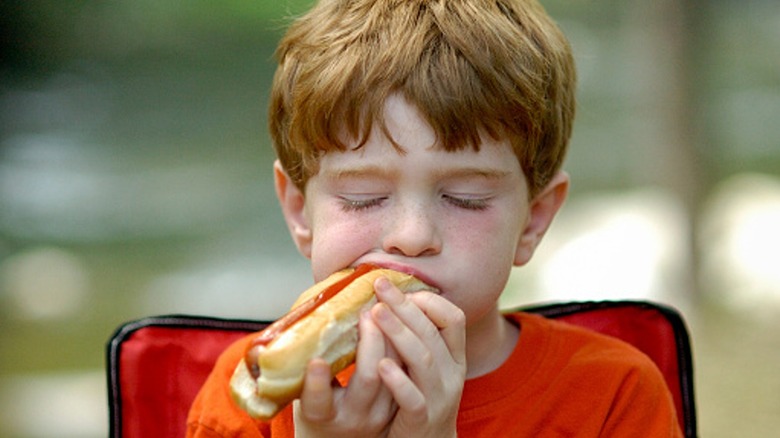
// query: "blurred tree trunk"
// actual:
[[664, 42]]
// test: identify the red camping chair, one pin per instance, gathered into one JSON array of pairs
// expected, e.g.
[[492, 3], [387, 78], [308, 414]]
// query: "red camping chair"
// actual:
[[156, 365]]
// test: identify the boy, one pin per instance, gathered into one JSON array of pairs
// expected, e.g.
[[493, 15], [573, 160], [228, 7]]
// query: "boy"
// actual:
[[427, 136]]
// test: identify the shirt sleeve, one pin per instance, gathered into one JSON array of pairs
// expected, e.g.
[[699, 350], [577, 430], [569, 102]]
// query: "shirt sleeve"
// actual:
[[213, 413]]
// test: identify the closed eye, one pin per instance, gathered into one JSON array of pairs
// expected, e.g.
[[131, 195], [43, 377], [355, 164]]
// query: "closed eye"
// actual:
[[467, 202], [350, 204]]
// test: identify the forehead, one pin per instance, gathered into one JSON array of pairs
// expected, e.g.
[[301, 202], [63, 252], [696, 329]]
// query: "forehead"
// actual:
[[403, 126], [421, 156], [404, 145], [406, 124]]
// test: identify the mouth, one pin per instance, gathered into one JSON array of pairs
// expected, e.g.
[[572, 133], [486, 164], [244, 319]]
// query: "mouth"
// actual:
[[406, 269]]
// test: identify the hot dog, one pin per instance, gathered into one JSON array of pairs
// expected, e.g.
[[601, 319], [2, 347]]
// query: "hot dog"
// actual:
[[322, 323]]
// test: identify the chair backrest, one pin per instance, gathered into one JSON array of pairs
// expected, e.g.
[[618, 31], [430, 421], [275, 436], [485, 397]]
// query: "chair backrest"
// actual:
[[156, 365]]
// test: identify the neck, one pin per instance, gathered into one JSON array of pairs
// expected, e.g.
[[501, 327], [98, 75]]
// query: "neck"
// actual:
[[489, 342]]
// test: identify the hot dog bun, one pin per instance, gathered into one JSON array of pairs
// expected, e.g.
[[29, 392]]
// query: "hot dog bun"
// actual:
[[328, 332]]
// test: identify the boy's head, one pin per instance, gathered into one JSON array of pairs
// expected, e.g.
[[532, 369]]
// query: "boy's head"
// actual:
[[499, 68]]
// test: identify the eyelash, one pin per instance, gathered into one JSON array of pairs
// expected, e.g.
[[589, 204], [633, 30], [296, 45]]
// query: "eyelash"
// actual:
[[350, 205], [473, 204]]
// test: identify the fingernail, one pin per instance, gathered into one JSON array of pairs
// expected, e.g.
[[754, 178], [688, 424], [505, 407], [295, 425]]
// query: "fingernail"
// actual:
[[382, 284], [384, 290], [383, 312]]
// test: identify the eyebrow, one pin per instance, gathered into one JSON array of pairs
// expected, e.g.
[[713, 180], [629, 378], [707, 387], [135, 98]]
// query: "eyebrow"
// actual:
[[358, 172], [469, 172], [440, 173]]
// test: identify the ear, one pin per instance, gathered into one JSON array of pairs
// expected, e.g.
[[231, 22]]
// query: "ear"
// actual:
[[292, 201], [541, 211]]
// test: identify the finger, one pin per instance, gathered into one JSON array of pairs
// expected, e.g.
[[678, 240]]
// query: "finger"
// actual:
[[405, 309], [410, 321], [366, 400], [411, 349], [404, 391], [366, 383], [317, 394], [442, 312], [391, 353], [448, 317]]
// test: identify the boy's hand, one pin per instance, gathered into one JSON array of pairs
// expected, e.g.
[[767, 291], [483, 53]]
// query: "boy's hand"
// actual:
[[363, 409], [409, 377], [428, 332]]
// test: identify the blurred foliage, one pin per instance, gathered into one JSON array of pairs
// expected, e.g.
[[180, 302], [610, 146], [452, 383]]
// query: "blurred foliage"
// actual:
[[42, 34]]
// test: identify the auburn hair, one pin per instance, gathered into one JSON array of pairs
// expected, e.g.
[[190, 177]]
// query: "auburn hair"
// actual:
[[497, 67]]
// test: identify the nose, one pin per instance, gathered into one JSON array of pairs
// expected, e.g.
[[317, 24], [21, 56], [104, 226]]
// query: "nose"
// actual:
[[412, 231]]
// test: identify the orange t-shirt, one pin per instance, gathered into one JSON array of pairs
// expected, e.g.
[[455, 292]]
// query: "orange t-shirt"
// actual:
[[560, 380]]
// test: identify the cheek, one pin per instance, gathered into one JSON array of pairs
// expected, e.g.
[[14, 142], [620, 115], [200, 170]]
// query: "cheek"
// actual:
[[491, 236], [337, 243], [486, 249]]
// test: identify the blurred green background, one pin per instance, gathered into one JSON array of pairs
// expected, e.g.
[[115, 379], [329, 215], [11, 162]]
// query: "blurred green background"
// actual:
[[135, 180]]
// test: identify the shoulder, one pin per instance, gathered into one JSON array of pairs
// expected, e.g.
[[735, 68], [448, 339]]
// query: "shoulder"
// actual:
[[601, 372], [588, 360]]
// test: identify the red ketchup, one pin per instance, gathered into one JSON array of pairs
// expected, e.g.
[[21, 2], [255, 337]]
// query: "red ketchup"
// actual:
[[272, 331]]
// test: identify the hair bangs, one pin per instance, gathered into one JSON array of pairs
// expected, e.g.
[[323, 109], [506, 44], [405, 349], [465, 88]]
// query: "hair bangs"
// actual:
[[498, 68]]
